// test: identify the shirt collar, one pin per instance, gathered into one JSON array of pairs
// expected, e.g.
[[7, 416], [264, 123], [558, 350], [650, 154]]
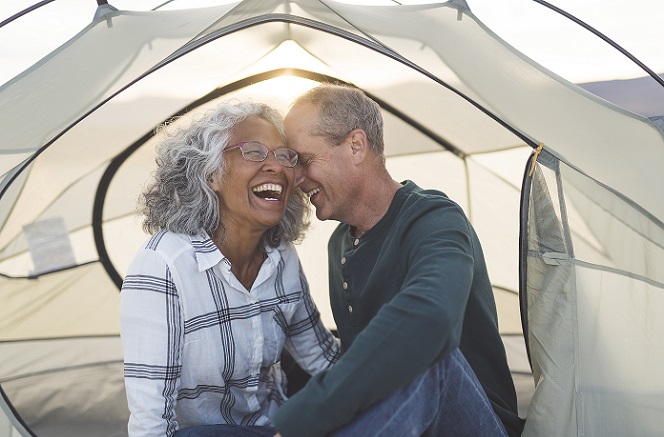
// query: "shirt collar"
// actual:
[[401, 194], [207, 253]]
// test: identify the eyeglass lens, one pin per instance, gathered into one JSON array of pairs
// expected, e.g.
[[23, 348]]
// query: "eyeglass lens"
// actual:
[[257, 152]]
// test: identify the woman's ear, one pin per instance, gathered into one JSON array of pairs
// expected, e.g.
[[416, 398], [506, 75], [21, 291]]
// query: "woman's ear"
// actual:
[[213, 182]]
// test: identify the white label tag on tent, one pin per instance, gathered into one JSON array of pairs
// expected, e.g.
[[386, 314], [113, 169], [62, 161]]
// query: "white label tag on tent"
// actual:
[[49, 245]]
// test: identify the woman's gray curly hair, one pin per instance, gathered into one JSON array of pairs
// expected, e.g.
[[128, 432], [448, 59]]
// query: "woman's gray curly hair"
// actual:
[[179, 198]]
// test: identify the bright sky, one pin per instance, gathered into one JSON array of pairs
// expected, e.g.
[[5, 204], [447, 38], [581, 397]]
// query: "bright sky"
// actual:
[[558, 43], [547, 37]]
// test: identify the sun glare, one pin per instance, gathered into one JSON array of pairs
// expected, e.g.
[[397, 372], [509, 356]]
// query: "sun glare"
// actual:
[[278, 92]]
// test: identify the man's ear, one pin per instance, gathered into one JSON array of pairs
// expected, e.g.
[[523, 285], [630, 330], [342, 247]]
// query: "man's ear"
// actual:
[[359, 145]]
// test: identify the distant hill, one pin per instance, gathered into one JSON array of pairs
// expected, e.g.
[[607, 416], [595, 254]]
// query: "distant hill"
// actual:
[[642, 95]]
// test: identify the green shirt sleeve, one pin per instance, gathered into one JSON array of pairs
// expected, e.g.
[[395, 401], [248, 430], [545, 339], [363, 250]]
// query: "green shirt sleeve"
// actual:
[[428, 269]]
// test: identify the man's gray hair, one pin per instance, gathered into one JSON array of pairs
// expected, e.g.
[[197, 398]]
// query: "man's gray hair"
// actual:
[[179, 198], [342, 109]]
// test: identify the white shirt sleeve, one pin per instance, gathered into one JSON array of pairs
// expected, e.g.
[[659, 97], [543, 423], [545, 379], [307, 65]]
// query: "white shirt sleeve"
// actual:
[[152, 336], [310, 343]]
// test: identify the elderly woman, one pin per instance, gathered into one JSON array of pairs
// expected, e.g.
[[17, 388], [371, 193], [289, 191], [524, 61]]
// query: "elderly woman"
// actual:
[[213, 297]]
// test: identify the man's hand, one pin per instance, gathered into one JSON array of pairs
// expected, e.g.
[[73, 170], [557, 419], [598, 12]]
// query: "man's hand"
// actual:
[[277, 435]]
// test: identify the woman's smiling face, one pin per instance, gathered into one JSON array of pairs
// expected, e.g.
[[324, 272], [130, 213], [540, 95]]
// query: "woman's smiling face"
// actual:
[[253, 194]]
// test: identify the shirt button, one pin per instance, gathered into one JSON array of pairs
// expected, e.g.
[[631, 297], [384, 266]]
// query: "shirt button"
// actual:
[[350, 308], [345, 285], [356, 242], [343, 260]]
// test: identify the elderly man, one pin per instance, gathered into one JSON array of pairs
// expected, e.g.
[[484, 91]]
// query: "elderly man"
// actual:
[[409, 290]]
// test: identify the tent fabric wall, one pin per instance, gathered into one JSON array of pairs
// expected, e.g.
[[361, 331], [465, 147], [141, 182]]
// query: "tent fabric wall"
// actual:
[[594, 308], [67, 386], [10, 425], [463, 111]]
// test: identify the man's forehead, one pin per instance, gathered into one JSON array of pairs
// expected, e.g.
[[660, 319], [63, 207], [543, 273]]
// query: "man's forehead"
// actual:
[[298, 125], [306, 145], [302, 113]]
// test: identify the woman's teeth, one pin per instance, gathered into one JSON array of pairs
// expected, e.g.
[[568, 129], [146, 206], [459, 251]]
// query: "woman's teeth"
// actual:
[[268, 191]]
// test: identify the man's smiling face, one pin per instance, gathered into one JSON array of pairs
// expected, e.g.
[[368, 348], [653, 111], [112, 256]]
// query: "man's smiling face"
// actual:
[[325, 168]]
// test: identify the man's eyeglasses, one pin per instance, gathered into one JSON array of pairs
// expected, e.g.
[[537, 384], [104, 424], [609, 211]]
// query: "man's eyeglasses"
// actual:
[[257, 152]]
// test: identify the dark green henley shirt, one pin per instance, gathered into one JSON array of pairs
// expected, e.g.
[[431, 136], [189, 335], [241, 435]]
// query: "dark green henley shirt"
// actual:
[[404, 295]]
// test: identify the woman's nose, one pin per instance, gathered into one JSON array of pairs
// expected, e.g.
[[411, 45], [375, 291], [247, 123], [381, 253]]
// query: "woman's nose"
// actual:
[[271, 161]]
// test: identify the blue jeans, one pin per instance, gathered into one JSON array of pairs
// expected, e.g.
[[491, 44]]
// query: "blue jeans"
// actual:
[[445, 400]]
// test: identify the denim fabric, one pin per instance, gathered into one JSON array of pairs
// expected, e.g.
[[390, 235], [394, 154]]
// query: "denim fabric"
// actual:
[[446, 400], [226, 431]]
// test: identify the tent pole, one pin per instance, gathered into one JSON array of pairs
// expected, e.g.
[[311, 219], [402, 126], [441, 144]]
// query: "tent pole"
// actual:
[[25, 11], [602, 36]]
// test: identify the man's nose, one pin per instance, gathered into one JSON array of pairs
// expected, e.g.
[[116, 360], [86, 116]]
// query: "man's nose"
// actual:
[[300, 175]]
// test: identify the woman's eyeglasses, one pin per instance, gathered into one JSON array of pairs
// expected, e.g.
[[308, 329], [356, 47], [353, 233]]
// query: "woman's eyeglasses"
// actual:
[[257, 152]]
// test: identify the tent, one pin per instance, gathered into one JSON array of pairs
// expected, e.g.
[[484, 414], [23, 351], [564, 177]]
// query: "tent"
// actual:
[[561, 185]]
